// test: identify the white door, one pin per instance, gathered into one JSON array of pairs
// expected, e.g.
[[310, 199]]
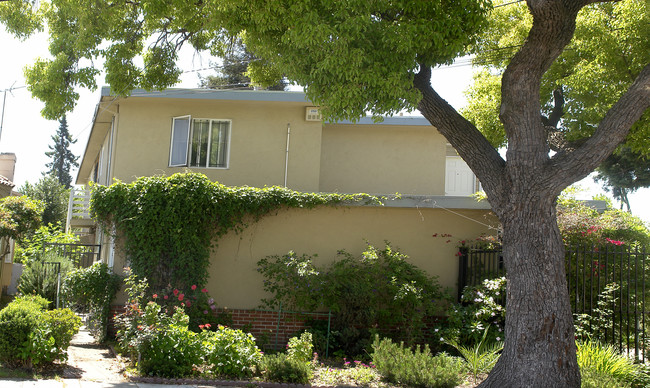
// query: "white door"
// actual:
[[459, 179]]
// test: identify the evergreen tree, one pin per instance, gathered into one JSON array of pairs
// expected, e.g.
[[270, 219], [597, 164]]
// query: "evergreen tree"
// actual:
[[623, 173], [62, 158], [232, 74]]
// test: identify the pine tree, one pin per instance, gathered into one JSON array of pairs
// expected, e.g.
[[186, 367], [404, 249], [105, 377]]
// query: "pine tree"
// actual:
[[232, 74], [62, 158]]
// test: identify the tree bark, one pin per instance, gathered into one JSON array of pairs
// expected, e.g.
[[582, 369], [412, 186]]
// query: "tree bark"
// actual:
[[539, 349]]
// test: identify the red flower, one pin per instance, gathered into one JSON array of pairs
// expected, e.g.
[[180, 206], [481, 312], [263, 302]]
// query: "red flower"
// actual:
[[155, 296], [193, 287], [188, 303], [180, 297], [175, 291], [204, 290], [166, 297], [207, 325]]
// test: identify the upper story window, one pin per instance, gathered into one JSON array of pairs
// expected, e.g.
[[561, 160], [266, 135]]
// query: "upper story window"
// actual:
[[199, 142]]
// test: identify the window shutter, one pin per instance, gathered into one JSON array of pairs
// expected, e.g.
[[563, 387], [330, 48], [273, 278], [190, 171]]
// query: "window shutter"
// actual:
[[179, 141]]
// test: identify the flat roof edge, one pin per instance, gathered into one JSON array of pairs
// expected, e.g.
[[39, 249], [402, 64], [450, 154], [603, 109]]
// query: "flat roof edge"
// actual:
[[216, 94]]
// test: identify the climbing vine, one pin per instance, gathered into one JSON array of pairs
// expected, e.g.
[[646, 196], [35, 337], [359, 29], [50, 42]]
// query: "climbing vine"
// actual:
[[170, 224]]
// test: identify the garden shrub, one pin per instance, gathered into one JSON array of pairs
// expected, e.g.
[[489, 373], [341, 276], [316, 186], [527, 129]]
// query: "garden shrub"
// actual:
[[283, 369], [32, 247], [41, 279], [20, 318], [480, 309], [64, 324], [301, 348], [418, 368], [168, 348], [92, 289], [33, 298], [230, 352], [379, 289], [31, 336]]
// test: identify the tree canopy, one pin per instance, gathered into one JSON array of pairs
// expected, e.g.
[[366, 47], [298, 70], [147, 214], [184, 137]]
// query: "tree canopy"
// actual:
[[382, 44], [609, 50], [53, 196], [364, 56]]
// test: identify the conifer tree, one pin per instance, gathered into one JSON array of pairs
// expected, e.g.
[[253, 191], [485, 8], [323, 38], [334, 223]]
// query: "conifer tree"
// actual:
[[62, 158]]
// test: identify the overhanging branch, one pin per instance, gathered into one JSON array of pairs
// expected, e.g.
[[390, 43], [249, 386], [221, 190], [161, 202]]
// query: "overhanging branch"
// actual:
[[570, 167], [472, 146]]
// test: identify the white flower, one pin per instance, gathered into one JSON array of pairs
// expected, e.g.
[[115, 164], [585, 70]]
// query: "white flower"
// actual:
[[498, 338]]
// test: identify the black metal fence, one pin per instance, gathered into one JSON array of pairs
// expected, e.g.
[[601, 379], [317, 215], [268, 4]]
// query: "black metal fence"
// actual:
[[81, 255], [607, 287]]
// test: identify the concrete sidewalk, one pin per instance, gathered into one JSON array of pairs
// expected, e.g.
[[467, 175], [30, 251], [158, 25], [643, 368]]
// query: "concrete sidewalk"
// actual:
[[78, 383], [92, 366]]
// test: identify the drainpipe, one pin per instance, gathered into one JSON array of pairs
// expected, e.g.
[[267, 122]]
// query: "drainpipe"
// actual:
[[286, 157]]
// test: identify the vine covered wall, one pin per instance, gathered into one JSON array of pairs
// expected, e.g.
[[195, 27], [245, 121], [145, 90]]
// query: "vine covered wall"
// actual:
[[170, 224]]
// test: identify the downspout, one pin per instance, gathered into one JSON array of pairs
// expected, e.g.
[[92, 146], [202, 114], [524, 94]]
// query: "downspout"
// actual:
[[286, 157]]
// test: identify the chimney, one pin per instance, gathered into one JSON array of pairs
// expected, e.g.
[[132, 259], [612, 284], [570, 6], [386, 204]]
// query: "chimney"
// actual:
[[8, 165]]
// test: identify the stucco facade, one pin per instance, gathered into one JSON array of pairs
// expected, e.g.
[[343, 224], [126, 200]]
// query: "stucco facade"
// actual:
[[271, 141]]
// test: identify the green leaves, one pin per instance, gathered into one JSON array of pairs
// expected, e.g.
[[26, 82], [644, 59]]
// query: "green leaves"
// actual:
[[18, 216], [608, 51], [169, 223], [353, 56]]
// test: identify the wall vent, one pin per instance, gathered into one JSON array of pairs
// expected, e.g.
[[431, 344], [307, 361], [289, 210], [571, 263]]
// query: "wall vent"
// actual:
[[312, 113]]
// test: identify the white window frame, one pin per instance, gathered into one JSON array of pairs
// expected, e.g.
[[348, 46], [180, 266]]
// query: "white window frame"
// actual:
[[188, 143], [187, 140]]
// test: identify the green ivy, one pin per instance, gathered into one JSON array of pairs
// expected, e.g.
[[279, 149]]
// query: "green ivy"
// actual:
[[170, 224], [93, 290]]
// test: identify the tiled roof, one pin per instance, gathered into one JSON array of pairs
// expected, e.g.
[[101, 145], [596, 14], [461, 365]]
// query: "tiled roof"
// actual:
[[6, 182]]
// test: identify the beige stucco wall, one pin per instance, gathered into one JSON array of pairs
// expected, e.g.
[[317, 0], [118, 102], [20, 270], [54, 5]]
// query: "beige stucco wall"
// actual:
[[235, 283], [382, 159], [257, 145]]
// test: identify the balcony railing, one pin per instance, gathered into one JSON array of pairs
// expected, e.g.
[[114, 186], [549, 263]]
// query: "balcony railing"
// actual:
[[78, 209]]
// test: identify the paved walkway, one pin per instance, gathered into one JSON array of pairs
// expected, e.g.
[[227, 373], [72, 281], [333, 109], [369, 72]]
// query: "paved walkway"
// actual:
[[89, 366]]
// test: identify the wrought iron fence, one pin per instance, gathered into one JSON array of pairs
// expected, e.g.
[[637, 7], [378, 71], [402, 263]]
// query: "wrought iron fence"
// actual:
[[607, 287], [81, 255]]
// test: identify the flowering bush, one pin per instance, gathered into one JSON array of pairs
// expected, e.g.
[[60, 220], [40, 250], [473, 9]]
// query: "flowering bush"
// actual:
[[166, 346], [481, 307]]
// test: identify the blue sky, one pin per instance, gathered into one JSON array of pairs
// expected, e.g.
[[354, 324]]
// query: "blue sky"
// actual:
[[27, 134]]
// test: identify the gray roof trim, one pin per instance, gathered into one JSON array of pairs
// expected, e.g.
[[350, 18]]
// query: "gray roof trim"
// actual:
[[214, 94], [261, 95]]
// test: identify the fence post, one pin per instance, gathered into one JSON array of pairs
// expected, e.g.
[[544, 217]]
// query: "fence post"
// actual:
[[329, 322], [463, 253]]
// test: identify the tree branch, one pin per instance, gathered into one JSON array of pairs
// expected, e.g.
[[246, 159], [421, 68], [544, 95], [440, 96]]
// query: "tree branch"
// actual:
[[470, 144], [612, 130]]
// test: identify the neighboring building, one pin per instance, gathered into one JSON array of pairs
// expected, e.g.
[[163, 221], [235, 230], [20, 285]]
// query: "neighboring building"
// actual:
[[264, 138], [7, 169]]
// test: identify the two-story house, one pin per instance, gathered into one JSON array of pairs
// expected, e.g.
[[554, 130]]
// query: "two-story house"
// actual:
[[264, 138]]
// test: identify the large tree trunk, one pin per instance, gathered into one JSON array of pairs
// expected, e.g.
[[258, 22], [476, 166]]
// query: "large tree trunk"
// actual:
[[540, 347]]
